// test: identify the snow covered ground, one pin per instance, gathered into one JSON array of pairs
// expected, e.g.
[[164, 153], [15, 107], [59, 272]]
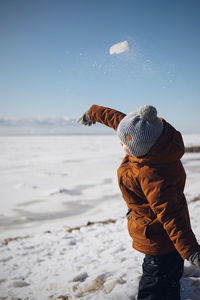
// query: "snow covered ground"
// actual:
[[49, 184]]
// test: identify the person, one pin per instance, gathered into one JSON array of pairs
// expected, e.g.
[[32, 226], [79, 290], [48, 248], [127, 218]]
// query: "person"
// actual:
[[152, 179]]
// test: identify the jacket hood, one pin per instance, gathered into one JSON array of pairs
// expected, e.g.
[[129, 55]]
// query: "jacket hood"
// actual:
[[168, 148]]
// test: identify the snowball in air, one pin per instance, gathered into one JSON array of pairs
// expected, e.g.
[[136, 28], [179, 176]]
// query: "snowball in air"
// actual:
[[119, 48]]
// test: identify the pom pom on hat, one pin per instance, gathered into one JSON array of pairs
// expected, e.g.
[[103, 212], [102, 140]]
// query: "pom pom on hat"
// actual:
[[143, 128], [147, 112]]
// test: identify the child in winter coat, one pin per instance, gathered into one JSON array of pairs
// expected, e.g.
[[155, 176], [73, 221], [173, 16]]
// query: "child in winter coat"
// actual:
[[152, 179]]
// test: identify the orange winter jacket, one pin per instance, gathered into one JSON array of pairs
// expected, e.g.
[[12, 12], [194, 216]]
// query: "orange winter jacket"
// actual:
[[152, 186]]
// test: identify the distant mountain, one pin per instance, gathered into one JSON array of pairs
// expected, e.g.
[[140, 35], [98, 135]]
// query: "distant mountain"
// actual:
[[48, 125], [61, 121]]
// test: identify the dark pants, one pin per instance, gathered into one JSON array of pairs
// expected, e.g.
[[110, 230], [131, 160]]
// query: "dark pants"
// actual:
[[161, 277]]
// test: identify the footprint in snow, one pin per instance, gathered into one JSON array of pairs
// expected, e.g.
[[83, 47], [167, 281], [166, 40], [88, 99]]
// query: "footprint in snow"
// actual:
[[80, 277], [6, 259], [72, 243], [20, 283], [2, 280]]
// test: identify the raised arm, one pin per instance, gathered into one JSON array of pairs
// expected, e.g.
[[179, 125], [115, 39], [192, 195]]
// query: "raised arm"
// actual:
[[104, 115]]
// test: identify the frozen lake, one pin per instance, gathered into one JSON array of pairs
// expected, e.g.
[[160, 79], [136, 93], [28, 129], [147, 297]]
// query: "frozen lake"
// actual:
[[47, 180], [50, 180]]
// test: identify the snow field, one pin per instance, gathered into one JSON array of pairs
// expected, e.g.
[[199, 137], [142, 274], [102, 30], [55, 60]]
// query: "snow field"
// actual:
[[95, 262], [49, 184]]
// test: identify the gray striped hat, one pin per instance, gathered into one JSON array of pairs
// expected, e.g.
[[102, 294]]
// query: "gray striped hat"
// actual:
[[139, 130]]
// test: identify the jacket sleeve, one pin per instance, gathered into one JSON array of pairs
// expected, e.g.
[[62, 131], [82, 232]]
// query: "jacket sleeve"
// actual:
[[171, 211], [105, 115]]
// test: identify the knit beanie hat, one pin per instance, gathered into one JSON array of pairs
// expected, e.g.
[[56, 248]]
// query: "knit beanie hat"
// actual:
[[139, 130]]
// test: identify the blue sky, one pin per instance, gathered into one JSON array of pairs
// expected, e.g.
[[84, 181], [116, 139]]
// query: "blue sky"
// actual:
[[55, 61]]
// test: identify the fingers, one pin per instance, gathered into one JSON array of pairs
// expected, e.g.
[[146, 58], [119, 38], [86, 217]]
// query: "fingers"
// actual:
[[195, 259], [84, 120]]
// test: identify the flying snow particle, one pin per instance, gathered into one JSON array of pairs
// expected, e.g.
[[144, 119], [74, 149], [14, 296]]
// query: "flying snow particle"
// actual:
[[119, 48]]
